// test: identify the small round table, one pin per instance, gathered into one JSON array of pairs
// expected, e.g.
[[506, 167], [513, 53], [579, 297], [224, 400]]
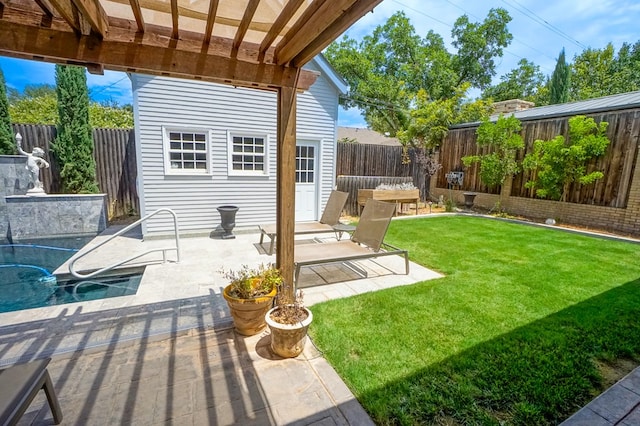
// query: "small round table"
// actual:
[[340, 228]]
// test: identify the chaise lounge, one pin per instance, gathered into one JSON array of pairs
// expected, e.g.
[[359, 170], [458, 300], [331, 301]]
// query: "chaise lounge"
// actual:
[[330, 218], [366, 242], [19, 385]]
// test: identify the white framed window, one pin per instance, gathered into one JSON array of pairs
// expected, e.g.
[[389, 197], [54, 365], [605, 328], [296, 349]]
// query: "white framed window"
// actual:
[[305, 163], [186, 151], [247, 154]]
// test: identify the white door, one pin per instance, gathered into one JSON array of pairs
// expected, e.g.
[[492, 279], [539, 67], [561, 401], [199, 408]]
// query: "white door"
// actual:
[[306, 181]]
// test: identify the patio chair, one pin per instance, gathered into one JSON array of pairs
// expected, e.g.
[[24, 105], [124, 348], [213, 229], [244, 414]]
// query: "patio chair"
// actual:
[[330, 217], [20, 384], [366, 242]]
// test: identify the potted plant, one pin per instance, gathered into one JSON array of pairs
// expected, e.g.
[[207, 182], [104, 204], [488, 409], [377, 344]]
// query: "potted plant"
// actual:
[[250, 295], [288, 323]]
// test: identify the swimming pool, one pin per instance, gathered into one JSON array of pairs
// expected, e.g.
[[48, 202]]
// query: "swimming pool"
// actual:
[[26, 279]]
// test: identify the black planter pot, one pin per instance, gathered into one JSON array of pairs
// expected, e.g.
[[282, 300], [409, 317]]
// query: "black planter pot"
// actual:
[[228, 217], [469, 198]]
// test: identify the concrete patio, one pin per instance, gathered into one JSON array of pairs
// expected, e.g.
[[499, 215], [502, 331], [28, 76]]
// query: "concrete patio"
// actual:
[[169, 353]]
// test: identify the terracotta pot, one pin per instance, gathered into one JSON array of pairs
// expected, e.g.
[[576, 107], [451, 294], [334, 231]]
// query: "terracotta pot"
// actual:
[[288, 340], [248, 314]]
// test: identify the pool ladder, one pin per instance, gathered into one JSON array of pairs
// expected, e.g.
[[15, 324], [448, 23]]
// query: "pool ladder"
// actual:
[[122, 231]]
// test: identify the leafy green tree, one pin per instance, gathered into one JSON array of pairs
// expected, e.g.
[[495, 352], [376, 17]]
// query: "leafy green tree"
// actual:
[[626, 68], [36, 105], [386, 69], [73, 146], [110, 116], [429, 123], [592, 75], [541, 96], [7, 143], [524, 82], [558, 163], [560, 81], [381, 84], [478, 45], [502, 139]]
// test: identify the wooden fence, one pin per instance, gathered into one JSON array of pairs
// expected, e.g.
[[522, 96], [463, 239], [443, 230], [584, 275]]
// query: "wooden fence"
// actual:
[[377, 161], [115, 156], [618, 163]]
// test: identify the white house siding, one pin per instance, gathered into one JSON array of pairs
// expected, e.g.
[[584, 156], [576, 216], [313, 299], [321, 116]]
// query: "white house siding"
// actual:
[[161, 101]]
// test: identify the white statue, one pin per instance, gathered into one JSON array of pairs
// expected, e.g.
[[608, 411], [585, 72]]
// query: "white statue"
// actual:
[[34, 163]]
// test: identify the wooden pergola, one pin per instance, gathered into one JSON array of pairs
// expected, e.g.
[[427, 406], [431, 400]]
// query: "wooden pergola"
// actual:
[[260, 44]]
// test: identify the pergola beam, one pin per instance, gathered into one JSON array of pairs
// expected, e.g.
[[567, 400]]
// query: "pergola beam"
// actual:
[[67, 47], [93, 12], [308, 14], [287, 13], [72, 16], [303, 42], [298, 38], [46, 7], [174, 19], [211, 18], [244, 25], [340, 25], [137, 13]]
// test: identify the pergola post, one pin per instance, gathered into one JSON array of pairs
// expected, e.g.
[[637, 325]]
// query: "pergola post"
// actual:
[[286, 187]]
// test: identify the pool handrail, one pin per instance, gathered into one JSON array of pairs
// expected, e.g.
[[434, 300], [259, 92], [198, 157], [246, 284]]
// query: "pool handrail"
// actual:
[[122, 231]]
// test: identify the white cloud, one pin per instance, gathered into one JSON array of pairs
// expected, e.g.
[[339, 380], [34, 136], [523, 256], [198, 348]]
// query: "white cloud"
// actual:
[[350, 118]]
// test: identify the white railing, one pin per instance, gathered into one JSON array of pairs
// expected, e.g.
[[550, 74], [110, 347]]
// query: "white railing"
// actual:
[[122, 231]]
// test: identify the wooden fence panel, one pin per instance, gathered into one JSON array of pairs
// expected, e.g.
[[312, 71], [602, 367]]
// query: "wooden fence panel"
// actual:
[[618, 163], [116, 169], [380, 160], [461, 143], [115, 156], [371, 160]]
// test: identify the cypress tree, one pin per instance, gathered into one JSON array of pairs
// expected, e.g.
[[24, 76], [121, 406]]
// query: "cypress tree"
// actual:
[[560, 81], [73, 146], [7, 143]]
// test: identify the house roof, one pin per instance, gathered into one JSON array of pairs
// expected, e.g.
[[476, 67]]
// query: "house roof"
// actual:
[[253, 43], [366, 136], [606, 103], [334, 77]]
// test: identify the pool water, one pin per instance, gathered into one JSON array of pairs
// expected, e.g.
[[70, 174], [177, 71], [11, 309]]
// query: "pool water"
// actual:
[[26, 279]]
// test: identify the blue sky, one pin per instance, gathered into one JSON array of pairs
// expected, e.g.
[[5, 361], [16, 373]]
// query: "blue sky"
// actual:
[[540, 29]]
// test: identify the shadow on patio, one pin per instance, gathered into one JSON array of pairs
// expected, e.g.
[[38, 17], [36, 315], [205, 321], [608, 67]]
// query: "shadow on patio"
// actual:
[[151, 364]]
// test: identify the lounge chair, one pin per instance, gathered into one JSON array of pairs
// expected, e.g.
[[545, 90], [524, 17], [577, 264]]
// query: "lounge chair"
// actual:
[[330, 217], [366, 242], [19, 385]]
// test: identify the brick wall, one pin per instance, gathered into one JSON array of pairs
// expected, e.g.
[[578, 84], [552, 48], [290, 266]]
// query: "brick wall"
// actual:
[[619, 220]]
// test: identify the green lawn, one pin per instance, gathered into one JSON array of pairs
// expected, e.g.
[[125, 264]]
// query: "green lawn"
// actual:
[[516, 333]]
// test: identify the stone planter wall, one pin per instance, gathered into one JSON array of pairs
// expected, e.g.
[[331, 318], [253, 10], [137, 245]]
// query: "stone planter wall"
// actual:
[[50, 216], [14, 178], [24, 218]]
